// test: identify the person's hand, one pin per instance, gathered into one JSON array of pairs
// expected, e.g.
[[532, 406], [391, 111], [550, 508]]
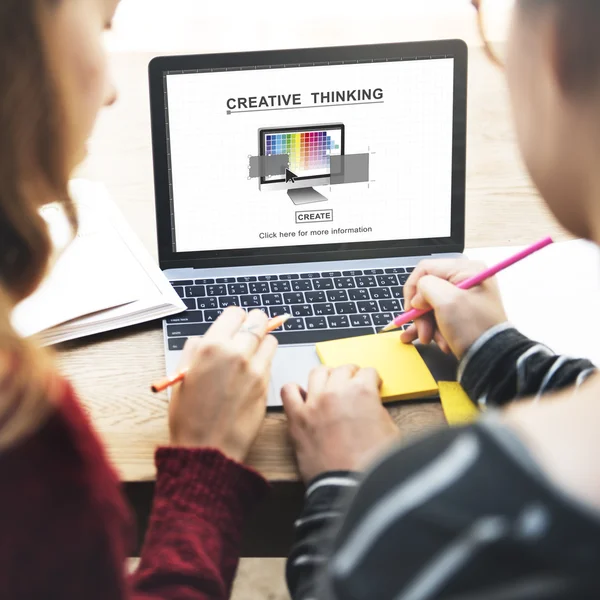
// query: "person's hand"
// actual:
[[460, 317], [222, 400], [339, 424]]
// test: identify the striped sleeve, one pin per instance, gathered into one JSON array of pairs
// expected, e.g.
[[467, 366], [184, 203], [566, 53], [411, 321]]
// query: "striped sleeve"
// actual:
[[503, 365], [434, 520], [324, 503]]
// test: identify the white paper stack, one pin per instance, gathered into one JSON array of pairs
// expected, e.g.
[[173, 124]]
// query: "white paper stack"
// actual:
[[103, 280]]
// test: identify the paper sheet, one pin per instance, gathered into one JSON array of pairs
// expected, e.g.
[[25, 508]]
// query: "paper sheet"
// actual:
[[95, 272], [103, 279], [458, 407], [403, 372], [553, 296]]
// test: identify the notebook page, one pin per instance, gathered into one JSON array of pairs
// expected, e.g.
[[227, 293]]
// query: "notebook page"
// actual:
[[94, 272]]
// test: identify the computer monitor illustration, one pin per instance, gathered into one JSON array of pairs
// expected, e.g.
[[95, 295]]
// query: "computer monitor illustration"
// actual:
[[309, 149]]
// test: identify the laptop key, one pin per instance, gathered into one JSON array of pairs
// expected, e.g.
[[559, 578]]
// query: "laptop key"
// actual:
[[402, 279], [263, 308], [250, 301], [268, 278], [398, 292], [294, 298], [204, 281], [387, 280], [189, 316], [195, 290], [225, 301], [272, 299], [344, 283], [280, 286], [177, 343], [380, 293], [359, 294], [396, 270], [302, 285], [337, 296], [208, 302], [316, 323], [302, 310], [366, 281], [236, 289], [323, 284], [187, 330], [353, 273], [373, 271], [294, 325], [309, 275], [246, 279], [226, 280], [214, 290], [277, 311], [182, 283], [381, 319], [179, 291], [410, 269], [262, 287], [392, 305], [314, 297], [331, 274], [360, 321], [367, 307], [289, 276], [190, 303], [324, 309], [212, 315], [338, 321], [346, 308]]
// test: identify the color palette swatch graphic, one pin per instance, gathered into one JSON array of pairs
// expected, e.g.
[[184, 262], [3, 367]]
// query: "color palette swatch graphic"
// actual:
[[308, 150]]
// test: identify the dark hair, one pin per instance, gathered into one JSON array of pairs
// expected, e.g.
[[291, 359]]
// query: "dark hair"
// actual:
[[33, 171], [32, 157], [578, 35]]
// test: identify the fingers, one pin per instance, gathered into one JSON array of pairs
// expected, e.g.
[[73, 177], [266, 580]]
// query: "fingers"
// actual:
[[317, 380], [438, 292], [252, 332], [227, 325], [450, 270], [263, 358], [293, 402], [441, 342], [342, 374], [370, 377], [426, 328], [408, 336]]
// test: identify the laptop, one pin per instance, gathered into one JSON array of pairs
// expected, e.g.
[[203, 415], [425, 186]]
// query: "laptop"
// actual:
[[308, 181]]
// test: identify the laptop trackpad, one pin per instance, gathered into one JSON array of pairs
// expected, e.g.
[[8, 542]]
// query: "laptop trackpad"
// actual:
[[291, 364]]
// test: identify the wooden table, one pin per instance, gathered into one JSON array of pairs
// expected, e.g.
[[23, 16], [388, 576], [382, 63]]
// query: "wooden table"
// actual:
[[112, 371]]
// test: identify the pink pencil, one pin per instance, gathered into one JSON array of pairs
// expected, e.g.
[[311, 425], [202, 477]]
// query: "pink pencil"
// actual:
[[412, 314]]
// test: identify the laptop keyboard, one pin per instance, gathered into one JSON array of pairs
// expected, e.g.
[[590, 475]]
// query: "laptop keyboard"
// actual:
[[323, 305]]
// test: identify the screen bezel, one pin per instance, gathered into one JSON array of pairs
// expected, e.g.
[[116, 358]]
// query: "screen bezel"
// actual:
[[271, 130], [169, 259]]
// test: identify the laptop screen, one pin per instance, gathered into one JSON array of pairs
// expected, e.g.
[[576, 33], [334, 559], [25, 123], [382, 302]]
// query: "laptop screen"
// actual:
[[315, 154]]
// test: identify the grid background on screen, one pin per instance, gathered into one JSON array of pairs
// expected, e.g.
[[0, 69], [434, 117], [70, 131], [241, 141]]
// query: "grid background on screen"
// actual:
[[308, 150]]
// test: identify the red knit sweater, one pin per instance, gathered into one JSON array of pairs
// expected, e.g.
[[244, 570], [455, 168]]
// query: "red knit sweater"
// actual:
[[65, 530]]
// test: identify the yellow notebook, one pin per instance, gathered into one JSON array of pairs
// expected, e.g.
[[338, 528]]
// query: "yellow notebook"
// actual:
[[404, 373], [458, 407]]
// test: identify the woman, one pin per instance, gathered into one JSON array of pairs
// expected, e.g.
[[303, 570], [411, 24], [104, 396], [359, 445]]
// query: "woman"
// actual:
[[508, 508], [65, 531]]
